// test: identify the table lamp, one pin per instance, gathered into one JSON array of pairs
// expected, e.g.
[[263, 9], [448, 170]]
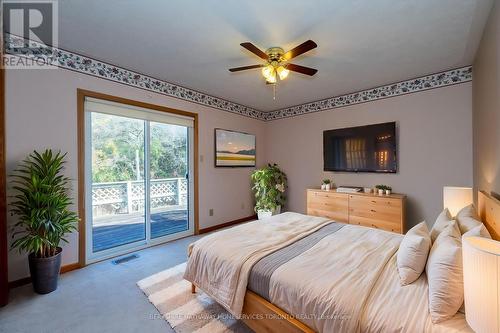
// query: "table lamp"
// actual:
[[456, 198], [481, 258]]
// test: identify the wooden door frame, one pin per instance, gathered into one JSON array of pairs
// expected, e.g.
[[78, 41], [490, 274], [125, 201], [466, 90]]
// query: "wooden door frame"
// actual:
[[4, 276], [81, 95]]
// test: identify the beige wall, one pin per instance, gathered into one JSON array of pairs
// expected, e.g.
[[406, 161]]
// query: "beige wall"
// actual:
[[486, 97], [41, 113], [435, 147]]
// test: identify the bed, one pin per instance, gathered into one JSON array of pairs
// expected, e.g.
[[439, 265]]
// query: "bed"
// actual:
[[298, 273]]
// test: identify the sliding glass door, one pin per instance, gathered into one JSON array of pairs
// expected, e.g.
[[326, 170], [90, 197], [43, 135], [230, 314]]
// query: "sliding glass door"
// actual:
[[168, 190], [138, 187], [117, 171]]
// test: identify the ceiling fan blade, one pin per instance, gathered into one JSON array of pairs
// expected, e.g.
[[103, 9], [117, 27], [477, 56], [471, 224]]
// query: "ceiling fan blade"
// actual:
[[301, 69], [237, 69], [302, 48], [255, 50]]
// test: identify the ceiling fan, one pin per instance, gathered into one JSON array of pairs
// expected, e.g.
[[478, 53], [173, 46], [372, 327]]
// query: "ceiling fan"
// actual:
[[277, 61]]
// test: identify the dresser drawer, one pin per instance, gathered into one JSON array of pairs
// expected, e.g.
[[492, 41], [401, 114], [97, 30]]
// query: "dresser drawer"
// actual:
[[377, 224], [318, 195], [338, 216], [328, 204], [370, 201], [376, 212]]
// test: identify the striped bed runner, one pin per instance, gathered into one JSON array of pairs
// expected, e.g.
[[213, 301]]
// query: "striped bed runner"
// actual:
[[184, 311], [260, 275]]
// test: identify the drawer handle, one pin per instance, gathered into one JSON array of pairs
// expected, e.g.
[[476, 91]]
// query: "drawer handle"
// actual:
[[373, 210], [373, 201]]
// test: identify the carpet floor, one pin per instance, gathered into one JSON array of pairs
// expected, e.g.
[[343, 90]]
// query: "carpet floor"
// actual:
[[98, 298], [184, 311]]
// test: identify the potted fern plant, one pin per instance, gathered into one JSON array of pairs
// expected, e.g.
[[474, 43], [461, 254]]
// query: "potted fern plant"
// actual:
[[269, 185], [41, 203]]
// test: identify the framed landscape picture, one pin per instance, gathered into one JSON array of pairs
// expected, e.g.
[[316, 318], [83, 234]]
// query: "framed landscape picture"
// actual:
[[234, 149]]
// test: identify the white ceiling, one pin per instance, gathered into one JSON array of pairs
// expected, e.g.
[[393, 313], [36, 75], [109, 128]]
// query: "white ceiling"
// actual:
[[361, 43]]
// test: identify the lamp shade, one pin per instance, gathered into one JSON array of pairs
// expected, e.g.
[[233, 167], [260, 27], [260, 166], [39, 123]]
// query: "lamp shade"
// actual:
[[481, 257], [456, 198]]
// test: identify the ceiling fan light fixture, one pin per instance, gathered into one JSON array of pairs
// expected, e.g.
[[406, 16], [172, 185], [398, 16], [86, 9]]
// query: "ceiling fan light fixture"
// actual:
[[282, 72], [269, 73], [271, 79], [276, 66]]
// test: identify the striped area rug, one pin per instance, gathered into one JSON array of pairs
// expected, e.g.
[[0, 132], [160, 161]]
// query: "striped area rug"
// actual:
[[184, 311]]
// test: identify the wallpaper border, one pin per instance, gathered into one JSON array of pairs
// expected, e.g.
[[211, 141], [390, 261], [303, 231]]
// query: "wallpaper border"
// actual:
[[61, 58], [14, 45], [427, 82]]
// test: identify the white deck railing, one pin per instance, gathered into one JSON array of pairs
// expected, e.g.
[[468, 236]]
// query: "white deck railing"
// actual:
[[127, 197]]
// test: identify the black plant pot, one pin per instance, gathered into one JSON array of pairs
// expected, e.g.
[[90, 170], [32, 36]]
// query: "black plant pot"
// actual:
[[45, 272]]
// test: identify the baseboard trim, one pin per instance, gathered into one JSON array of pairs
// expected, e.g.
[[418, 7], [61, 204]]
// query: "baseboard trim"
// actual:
[[70, 267], [228, 224], [19, 282], [27, 280]]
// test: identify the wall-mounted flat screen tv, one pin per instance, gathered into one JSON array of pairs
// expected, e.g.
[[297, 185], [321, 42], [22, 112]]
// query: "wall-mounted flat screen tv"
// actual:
[[371, 148]]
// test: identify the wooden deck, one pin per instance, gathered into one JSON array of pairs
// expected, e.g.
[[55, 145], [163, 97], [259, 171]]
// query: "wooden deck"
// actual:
[[122, 229]]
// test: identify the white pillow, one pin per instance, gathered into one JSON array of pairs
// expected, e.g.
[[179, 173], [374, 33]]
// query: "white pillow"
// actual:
[[445, 274], [467, 218], [479, 231], [412, 253], [442, 221], [469, 211]]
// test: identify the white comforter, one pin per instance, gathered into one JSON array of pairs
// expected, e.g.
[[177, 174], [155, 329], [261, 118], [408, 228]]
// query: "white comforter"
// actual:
[[347, 282], [220, 263], [328, 285]]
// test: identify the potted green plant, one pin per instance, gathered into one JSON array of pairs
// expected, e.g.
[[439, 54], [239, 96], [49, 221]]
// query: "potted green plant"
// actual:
[[388, 190], [383, 189], [41, 203], [326, 185], [380, 189], [269, 185]]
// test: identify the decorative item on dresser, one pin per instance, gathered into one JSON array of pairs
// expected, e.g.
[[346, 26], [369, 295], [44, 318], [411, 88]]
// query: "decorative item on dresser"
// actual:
[[383, 189], [326, 185], [385, 212]]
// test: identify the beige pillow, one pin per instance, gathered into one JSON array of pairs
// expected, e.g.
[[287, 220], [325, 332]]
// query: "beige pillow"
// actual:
[[412, 253], [442, 221], [467, 218], [478, 231], [445, 274]]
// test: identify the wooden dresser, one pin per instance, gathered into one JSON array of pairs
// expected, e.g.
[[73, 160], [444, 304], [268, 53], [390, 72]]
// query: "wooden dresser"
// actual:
[[386, 212]]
